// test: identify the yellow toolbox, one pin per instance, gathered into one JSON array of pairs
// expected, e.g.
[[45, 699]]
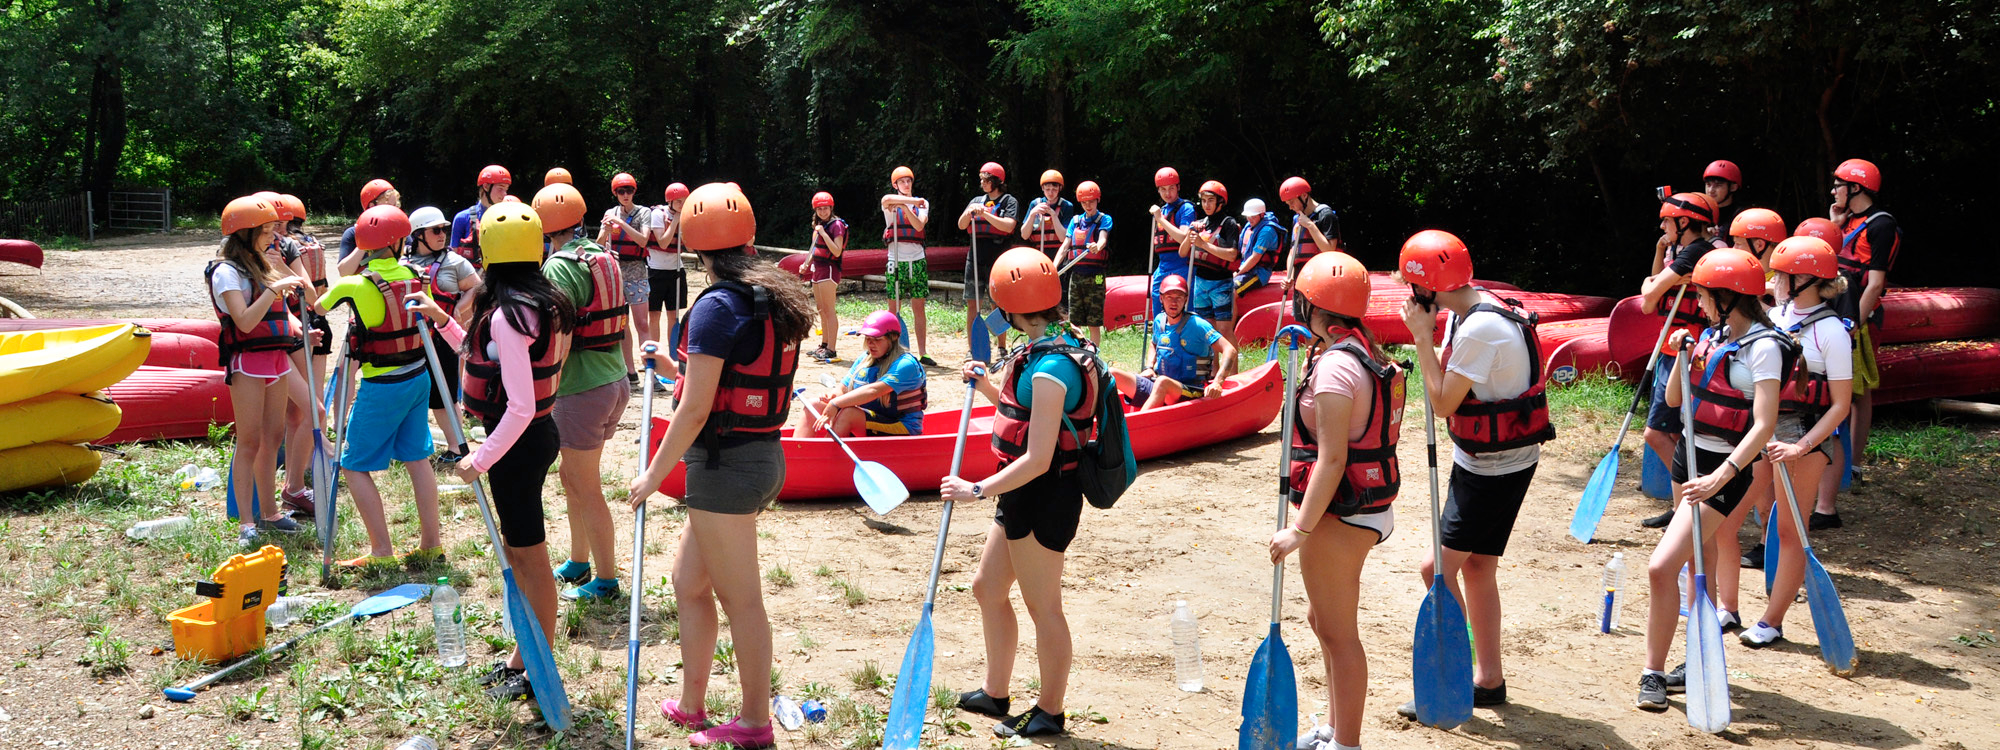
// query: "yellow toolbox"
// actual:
[[230, 622]]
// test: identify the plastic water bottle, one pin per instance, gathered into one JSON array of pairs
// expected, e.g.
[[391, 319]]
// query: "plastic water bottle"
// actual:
[[815, 712], [418, 742], [286, 610], [450, 624], [454, 490], [1187, 648], [184, 476], [1614, 586], [207, 479], [160, 528], [787, 712]]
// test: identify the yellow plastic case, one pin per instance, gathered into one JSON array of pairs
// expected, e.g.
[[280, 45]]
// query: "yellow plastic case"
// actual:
[[230, 622]]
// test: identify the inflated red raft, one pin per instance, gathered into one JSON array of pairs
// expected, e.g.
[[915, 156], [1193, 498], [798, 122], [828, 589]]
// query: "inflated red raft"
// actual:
[[208, 328], [21, 251], [165, 403], [875, 261], [816, 469], [1937, 369], [1125, 297]]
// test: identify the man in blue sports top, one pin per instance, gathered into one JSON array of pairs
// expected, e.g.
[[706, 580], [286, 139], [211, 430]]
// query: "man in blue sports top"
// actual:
[[1170, 221], [1260, 247], [1190, 358]]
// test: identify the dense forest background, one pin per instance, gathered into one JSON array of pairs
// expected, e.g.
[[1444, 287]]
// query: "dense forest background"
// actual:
[[1536, 129]]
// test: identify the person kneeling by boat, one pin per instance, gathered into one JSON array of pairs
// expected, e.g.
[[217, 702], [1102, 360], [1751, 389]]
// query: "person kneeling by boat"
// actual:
[[1186, 349], [885, 392]]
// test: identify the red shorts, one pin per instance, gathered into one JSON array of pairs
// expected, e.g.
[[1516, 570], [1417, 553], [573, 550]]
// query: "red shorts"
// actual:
[[823, 271]]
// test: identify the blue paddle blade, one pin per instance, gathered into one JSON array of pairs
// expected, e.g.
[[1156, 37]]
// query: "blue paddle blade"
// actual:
[[879, 487], [1654, 480], [391, 600], [536, 656], [1770, 549], [1596, 494], [913, 689], [1836, 641], [1441, 660], [996, 321], [979, 339], [904, 334], [1707, 672], [1270, 698]]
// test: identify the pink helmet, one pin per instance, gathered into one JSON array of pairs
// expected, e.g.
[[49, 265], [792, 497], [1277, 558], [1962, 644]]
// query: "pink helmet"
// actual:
[[881, 323]]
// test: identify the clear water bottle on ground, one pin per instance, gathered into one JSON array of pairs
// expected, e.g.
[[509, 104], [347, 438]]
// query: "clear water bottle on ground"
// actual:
[[207, 479], [1614, 587], [160, 528], [286, 610], [418, 742], [1187, 648], [787, 712], [449, 620]]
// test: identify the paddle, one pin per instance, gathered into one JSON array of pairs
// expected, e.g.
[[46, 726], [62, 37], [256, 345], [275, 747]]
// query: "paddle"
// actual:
[[879, 487], [1836, 641], [536, 654], [326, 481], [1590, 507], [1270, 690], [1441, 658], [1707, 673], [977, 333], [383, 603], [1152, 266], [913, 685], [1771, 549], [327, 514], [638, 562]]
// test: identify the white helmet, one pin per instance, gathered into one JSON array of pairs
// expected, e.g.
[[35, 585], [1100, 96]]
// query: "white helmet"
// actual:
[[1253, 207], [427, 217]]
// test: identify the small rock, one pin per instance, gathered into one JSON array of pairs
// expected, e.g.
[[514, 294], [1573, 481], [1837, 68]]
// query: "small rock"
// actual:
[[147, 711], [4, 716]]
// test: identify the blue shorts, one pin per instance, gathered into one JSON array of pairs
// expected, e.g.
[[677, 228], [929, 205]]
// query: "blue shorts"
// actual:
[[1255, 278], [1214, 299], [1661, 416], [388, 421]]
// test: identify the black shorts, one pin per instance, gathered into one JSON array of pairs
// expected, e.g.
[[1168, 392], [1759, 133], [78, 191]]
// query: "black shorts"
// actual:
[[325, 328], [667, 285], [1048, 506], [516, 483], [1479, 510], [447, 361], [982, 262], [1723, 502]]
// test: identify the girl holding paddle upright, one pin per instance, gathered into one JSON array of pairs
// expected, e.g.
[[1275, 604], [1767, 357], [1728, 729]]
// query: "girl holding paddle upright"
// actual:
[[1038, 495], [829, 242], [1735, 371], [1342, 474], [739, 347], [1686, 219]]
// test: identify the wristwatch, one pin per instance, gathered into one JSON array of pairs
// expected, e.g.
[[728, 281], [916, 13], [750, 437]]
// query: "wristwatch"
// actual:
[[977, 492]]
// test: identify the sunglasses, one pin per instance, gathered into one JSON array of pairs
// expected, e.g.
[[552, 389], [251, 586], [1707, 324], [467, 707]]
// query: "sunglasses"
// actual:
[[624, 191], [437, 230]]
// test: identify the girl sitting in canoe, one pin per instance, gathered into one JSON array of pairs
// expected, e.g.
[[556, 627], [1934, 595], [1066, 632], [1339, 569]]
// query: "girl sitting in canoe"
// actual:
[[1186, 352], [885, 392]]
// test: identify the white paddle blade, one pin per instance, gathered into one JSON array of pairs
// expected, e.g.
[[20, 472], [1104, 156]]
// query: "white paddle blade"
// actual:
[[879, 487]]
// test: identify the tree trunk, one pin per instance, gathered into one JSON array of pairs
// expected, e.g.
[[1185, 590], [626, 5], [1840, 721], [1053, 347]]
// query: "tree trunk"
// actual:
[[1056, 103]]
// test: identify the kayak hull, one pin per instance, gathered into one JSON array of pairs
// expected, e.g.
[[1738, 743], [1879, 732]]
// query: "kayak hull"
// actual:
[[21, 251], [57, 417], [46, 465], [1385, 315], [69, 360], [210, 329], [167, 403], [875, 261], [1937, 369], [1909, 315]]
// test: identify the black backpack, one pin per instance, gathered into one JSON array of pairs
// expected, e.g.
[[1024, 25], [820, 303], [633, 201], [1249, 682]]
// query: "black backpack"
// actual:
[[1106, 466]]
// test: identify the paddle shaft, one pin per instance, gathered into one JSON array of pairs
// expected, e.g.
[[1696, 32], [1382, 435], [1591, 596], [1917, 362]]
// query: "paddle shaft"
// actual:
[[1651, 361], [1431, 456], [1683, 363], [1152, 266], [340, 405], [832, 433], [944, 521], [1285, 417], [638, 565]]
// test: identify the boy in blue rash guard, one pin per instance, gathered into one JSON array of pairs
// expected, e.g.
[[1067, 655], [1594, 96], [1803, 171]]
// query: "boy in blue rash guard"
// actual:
[[1260, 247], [885, 392], [1170, 221], [493, 183], [1187, 349]]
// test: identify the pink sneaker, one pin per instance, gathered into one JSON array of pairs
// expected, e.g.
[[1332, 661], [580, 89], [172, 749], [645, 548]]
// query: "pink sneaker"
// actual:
[[671, 709], [734, 733]]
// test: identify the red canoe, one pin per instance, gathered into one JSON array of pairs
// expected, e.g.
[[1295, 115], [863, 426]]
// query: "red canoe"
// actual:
[[21, 251], [875, 261], [1385, 314], [209, 328], [816, 469], [165, 403], [1576, 347], [1937, 369], [1125, 296]]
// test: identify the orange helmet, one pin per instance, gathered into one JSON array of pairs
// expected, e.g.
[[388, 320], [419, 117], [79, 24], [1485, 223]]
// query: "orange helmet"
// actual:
[[1694, 206], [900, 173], [717, 217], [1724, 169], [620, 180], [822, 199], [290, 207], [676, 192], [1089, 191], [1759, 223], [1215, 187], [993, 168], [555, 175], [560, 205], [1436, 260], [510, 198], [268, 195], [1025, 281], [1166, 176], [1823, 228], [1731, 269], [495, 174], [1805, 256], [1335, 282], [1293, 188], [373, 190], [380, 227], [1860, 172], [1050, 175], [247, 212]]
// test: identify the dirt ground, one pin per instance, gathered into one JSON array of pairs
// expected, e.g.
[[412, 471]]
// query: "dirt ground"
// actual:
[[1915, 566]]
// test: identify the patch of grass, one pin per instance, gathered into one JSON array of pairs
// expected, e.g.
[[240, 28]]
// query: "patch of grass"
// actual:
[[244, 708], [725, 657], [106, 654], [868, 677], [1933, 444], [1591, 399], [943, 699], [818, 691], [851, 594], [778, 576], [823, 571]]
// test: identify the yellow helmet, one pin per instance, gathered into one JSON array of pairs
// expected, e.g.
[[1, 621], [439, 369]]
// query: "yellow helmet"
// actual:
[[511, 233]]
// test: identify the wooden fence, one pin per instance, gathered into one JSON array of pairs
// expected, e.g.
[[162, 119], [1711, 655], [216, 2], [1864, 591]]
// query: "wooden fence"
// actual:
[[68, 216]]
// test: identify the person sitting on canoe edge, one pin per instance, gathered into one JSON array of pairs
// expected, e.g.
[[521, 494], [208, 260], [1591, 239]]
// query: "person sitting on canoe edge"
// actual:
[[991, 218], [1212, 252], [1037, 491], [904, 219], [885, 393], [1260, 249], [829, 243], [493, 183], [1686, 219], [1186, 350], [739, 349], [389, 420], [1869, 239], [1315, 226], [1490, 388], [1341, 475], [1087, 241], [593, 392]]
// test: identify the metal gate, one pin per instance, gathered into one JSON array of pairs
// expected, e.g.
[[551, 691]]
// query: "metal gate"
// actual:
[[151, 210]]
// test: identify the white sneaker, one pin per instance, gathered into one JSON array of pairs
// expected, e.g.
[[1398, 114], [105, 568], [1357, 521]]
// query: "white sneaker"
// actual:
[[1760, 635], [1727, 619], [1318, 736]]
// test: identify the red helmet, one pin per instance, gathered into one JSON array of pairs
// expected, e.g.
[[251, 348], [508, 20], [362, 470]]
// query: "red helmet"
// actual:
[[247, 212], [1336, 282], [1088, 190], [1724, 169], [380, 227], [290, 207], [495, 174], [1823, 228], [993, 168], [1436, 260], [1731, 269], [822, 199], [623, 180], [1293, 188], [373, 190], [1025, 281], [676, 191], [1173, 283], [1760, 223], [717, 217], [1694, 206], [555, 175], [1212, 186], [1860, 172], [1805, 256], [1166, 176]]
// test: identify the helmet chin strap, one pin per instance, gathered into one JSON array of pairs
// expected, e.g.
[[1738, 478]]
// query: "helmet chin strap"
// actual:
[[1423, 297], [1800, 283]]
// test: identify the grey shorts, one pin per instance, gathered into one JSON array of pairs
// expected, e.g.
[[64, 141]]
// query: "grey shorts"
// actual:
[[637, 279], [1791, 427], [585, 420], [744, 482]]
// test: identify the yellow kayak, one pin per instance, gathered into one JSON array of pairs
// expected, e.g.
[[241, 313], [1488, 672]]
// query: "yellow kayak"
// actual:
[[46, 465], [69, 360], [59, 418]]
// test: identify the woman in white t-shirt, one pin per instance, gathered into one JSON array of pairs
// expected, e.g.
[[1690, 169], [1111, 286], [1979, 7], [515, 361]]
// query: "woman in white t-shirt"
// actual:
[[666, 275]]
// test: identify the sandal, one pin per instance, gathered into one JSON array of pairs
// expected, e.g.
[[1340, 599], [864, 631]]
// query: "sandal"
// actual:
[[735, 735], [671, 709], [979, 702], [1034, 723]]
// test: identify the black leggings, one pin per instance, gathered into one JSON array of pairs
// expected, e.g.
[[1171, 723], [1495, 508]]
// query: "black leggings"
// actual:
[[516, 482], [447, 361]]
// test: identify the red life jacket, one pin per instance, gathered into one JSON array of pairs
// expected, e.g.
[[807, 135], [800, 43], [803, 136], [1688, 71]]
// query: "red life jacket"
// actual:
[[600, 321], [315, 256], [900, 227], [1807, 392], [984, 232], [1518, 422], [396, 342], [1046, 231], [1087, 231], [1720, 410], [1207, 264], [823, 255], [1687, 316], [484, 395], [1373, 476], [915, 400], [1162, 243], [1855, 252], [1010, 416], [753, 398], [623, 244], [273, 333]]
